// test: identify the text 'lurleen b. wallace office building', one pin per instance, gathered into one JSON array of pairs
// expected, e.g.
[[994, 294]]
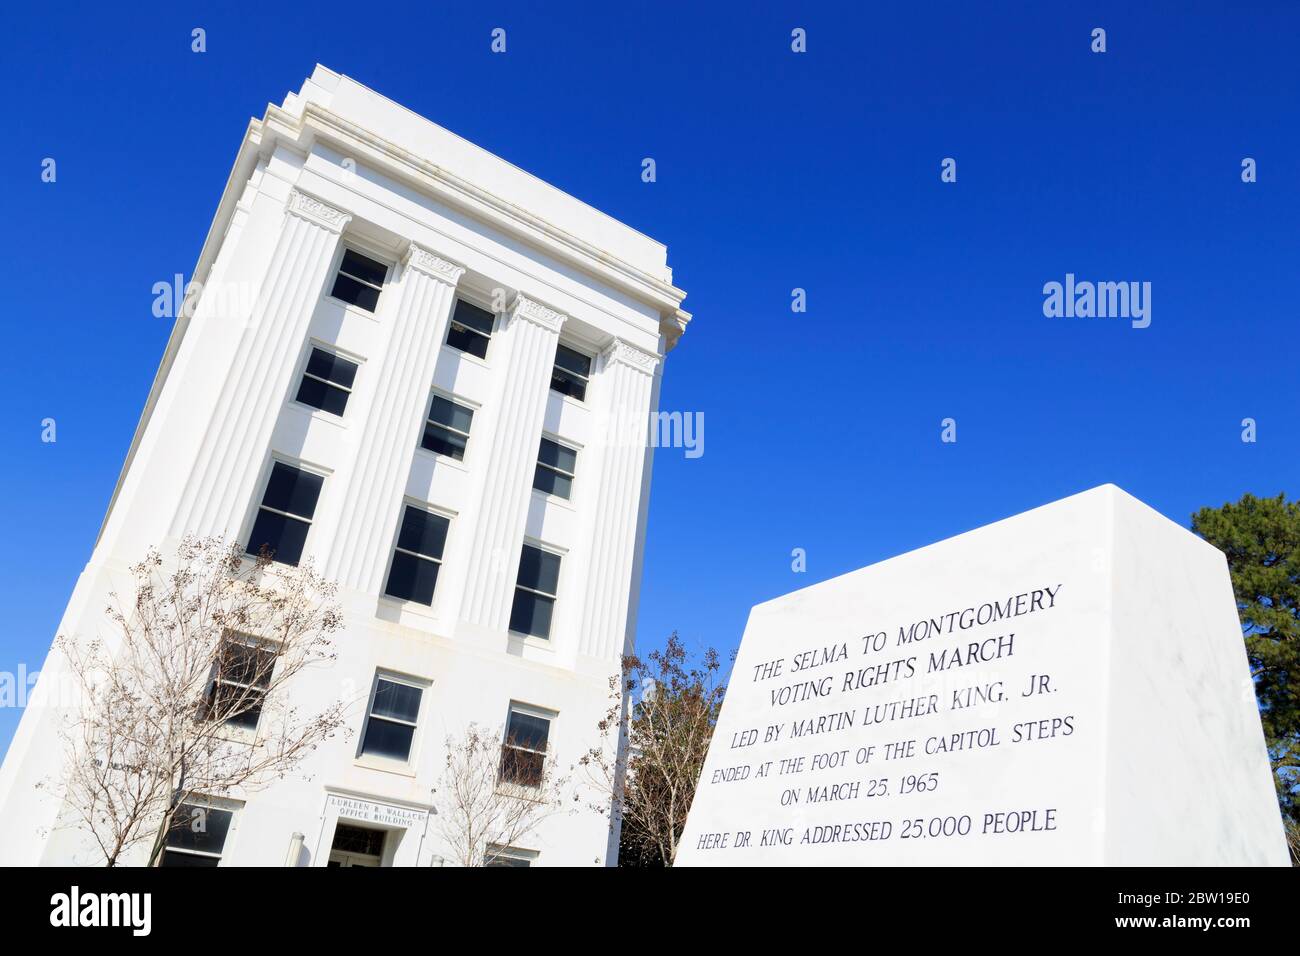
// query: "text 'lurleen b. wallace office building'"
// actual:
[[405, 364]]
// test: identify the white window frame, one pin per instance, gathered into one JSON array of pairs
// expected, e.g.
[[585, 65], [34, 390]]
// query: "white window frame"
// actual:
[[561, 553], [379, 760], [572, 476], [301, 373], [392, 552], [474, 407], [586, 379], [248, 640], [529, 710], [210, 803], [511, 853], [374, 255], [268, 468], [471, 297]]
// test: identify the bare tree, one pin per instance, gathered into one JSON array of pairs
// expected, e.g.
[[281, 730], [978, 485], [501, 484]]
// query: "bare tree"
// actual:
[[495, 791], [654, 738], [189, 700]]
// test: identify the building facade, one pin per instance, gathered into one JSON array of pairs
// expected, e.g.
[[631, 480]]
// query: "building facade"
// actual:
[[410, 362]]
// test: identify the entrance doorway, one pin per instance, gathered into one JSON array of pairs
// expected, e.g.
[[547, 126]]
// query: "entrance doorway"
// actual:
[[356, 846]]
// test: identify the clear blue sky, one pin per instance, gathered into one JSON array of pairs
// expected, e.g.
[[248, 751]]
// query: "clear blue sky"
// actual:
[[775, 171]]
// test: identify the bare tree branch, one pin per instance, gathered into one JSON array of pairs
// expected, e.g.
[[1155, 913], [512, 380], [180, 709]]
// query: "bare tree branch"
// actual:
[[189, 700], [494, 794]]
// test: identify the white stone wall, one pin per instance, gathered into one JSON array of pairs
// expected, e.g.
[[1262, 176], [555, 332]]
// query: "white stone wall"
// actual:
[[339, 165]]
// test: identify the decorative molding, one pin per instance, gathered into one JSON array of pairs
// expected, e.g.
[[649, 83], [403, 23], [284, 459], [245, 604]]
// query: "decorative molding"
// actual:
[[314, 210], [671, 328], [432, 264], [622, 353], [525, 308], [355, 140]]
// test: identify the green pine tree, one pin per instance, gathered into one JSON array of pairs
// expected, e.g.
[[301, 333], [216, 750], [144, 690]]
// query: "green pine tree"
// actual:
[[1261, 537]]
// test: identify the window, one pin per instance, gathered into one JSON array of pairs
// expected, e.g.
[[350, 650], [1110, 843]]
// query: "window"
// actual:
[[555, 469], [390, 725], [447, 430], [571, 372], [471, 329], [285, 513], [197, 836], [242, 674], [418, 555], [523, 754], [359, 281], [326, 381], [508, 856], [535, 589], [356, 846]]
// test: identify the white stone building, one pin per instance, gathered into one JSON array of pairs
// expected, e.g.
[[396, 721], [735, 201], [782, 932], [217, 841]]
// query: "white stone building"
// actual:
[[401, 339]]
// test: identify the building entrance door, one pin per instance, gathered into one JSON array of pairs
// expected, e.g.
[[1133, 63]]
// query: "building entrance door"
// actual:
[[356, 846]]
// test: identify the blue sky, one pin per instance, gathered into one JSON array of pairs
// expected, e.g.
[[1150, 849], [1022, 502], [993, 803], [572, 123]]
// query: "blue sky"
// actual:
[[775, 171]]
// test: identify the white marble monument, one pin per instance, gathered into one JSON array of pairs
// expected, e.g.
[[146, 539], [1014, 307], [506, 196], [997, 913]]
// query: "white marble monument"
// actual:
[[1068, 686]]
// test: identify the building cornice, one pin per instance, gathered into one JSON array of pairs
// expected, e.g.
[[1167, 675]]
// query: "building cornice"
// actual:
[[318, 123]]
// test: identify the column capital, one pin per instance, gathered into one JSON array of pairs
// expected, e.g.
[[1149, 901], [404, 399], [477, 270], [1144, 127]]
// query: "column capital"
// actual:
[[431, 264], [621, 353], [317, 211], [543, 315]]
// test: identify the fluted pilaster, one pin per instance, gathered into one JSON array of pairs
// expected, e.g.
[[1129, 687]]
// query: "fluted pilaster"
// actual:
[[626, 385], [226, 468], [391, 431], [506, 486]]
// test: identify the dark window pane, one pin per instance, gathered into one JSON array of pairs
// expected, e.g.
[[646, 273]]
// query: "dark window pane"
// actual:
[[473, 317], [569, 377], [354, 292], [292, 490], [283, 537], [521, 766], [438, 439], [460, 337], [567, 358], [354, 839], [552, 482], [412, 578], [539, 570], [392, 699], [245, 664], [322, 395], [528, 731], [531, 614], [386, 739], [241, 706], [423, 532], [332, 368], [199, 828], [568, 384], [553, 453], [249, 713], [495, 859], [363, 267], [446, 412], [188, 859]]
